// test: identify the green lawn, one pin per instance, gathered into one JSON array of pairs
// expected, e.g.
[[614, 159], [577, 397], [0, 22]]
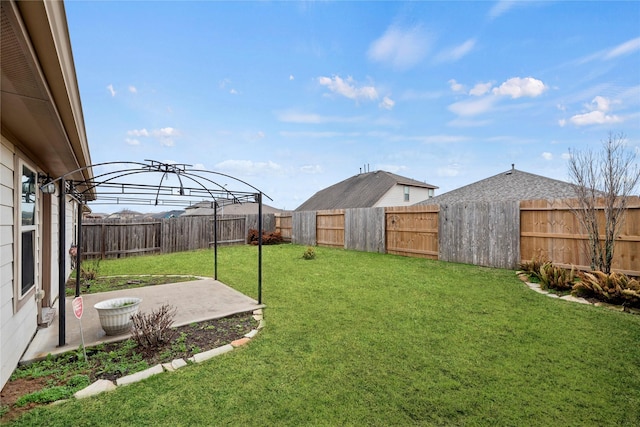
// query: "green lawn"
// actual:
[[367, 339]]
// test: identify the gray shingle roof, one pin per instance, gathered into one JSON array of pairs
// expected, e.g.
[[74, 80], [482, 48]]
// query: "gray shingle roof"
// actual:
[[206, 209], [359, 191], [510, 185]]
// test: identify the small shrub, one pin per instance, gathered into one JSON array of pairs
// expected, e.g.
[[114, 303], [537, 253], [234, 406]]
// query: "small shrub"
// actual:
[[274, 238], [558, 278], [151, 331], [532, 268], [614, 288], [310, 253], [89, 269]]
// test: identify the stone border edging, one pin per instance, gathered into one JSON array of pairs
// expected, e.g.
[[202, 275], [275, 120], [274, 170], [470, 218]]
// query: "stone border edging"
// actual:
[[536, 287], [101, 386]]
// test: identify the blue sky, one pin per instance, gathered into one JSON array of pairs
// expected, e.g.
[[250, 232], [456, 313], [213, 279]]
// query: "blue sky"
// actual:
[[295, 96]]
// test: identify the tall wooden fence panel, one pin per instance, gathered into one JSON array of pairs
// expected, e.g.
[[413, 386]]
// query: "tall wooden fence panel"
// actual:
[[412, 231], [284, 225], [364, 229], [114, 239], [303, 229], [330, 228], [551, 231], [480, 233], [121, 238]]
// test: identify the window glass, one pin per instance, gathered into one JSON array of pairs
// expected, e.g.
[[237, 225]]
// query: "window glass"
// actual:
[[406, 193], [28, 199]]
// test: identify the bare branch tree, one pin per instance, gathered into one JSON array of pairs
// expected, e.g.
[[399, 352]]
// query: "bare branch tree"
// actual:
[[603, 181]]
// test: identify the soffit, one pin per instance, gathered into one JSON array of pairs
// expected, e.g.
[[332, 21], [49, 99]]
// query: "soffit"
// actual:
[[29, 111]]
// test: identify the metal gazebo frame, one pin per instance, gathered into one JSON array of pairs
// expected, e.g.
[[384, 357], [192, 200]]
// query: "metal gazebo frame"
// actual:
[[191, 183]]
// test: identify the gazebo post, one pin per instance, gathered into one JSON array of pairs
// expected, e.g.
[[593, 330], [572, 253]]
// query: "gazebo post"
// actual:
[[259, 196], [215, 239], [79, 250], [61, 265]]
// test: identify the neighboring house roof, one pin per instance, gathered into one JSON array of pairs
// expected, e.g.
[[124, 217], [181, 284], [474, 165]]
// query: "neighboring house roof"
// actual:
[[359, 191], [206, 209], [510, 185]]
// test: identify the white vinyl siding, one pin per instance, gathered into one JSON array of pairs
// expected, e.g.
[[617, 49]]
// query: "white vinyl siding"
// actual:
[[18, 323], [396, 196]]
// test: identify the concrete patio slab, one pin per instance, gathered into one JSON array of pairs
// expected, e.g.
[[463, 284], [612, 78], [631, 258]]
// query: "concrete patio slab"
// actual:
[[195, 301]]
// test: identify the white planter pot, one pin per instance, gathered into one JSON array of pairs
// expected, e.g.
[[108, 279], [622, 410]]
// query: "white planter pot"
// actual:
[[115, 314]]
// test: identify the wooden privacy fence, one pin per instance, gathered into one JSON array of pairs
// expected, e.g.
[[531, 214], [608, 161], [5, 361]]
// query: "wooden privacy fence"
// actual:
[[122, 238], [492, 234], [551, 231]]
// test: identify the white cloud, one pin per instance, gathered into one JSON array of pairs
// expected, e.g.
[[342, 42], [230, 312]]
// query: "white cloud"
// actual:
[[443, 138], [601, 104], [299, 117], [473, 107], [164, 134], [500, 8], [594, 118], [311, 169], [138, 132], [111, 90], [517, 87], [467, 123], [387, 103], [133, 89], [291, 77], [248, 167], [456, 52], [132, 141], [623, 49], [547, 156], [562, 122], [598, 115], [168, 131], [349, 88], [480, 89], [565, 156], [401, 47], [455, 86]]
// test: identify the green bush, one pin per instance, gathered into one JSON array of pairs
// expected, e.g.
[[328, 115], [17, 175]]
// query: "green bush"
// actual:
[[310, 253]]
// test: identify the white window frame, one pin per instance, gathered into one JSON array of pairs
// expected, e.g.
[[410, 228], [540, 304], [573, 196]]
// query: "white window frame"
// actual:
[[26, 228], [406, 193]]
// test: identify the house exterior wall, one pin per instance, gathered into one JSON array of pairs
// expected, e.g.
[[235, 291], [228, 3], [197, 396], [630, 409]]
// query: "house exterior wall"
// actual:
[[18, 316], [395, 196]]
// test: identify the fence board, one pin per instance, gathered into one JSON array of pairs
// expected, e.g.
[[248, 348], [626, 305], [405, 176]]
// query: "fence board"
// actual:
[[303, 230], [284, 225], [364, 229], [551, 231], [412, 231], [330, 228], [480, 233], [120, 238]]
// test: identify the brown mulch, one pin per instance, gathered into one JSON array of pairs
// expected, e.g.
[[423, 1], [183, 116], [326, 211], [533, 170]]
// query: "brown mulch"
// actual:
[[188, 340]]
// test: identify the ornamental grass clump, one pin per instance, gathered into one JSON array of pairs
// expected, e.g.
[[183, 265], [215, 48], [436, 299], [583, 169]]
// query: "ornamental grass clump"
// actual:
[[558, 278], [532, 268], [613, 288]]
